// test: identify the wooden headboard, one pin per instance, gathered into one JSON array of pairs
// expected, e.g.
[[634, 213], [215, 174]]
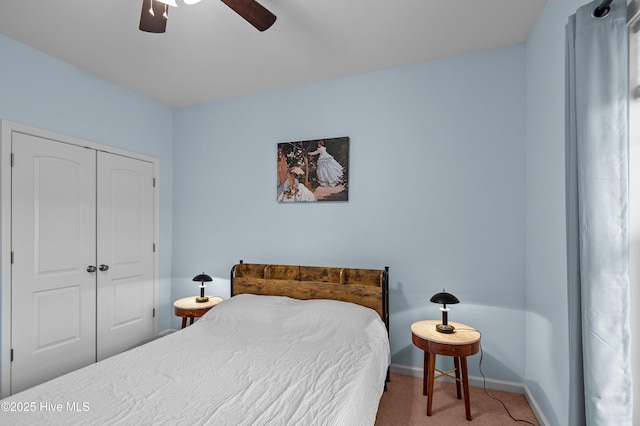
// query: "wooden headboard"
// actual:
[[366, 287]]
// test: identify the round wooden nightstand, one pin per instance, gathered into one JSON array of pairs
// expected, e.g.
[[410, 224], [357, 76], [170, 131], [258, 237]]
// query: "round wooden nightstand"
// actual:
[[464, 342], [187, 307]]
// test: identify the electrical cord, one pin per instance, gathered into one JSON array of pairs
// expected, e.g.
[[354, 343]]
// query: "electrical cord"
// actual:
[[484, 381]]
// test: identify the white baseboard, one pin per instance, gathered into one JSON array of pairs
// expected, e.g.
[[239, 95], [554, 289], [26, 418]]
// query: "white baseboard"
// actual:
[[535, 407], [479, 382], [166, 332]]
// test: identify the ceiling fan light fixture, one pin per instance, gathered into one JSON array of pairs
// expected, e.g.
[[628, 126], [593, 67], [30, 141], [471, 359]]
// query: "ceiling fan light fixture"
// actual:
[[169, 2], [153, 18]]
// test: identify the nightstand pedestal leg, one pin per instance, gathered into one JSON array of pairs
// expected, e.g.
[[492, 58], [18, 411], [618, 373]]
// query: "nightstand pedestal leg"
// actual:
[[432, 369], [465, 384], [425, 373], [456, 364]]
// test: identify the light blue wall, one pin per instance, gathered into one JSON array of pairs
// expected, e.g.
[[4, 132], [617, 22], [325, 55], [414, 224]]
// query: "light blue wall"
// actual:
[[437, 192], [452, 161], [40, 91], [547, 315]]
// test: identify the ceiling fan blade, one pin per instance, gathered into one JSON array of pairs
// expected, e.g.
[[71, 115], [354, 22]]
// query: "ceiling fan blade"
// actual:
[[156, 22], [253, 12]]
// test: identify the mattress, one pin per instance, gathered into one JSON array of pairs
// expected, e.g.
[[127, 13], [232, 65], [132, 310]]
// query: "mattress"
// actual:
[[252, 360]]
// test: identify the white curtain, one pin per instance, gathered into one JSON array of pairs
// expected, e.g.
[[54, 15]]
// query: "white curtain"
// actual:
[[597, 217]]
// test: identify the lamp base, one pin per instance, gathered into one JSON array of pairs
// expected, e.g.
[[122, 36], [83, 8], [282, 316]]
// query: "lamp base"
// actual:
[[447, 329], [202, 299]]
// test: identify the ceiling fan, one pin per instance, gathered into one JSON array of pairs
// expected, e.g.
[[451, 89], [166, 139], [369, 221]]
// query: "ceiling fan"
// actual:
[[156, 12]]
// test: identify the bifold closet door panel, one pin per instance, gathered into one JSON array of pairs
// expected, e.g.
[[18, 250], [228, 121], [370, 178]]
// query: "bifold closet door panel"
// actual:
[[53, 290], [125, 253]]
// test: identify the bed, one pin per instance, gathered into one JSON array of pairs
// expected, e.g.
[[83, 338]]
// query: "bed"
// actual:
[[293, 345]]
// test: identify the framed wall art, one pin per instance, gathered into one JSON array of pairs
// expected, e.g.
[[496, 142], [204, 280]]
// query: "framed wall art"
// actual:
[[313, 170]]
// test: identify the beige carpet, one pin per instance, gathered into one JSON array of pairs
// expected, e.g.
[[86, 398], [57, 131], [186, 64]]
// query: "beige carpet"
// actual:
[[404, 405]]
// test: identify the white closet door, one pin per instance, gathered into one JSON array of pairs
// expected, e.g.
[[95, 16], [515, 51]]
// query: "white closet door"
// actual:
[[53, 296], [125, 247]]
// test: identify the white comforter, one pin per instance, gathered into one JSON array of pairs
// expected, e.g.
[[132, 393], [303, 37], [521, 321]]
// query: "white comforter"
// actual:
[[252, 360]]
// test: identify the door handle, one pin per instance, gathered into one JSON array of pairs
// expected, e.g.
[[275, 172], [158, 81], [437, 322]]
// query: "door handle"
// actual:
[[104, 268], [91, 268]]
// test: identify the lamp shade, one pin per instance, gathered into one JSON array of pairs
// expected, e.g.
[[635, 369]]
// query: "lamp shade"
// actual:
[[202, 278], [444, 298]]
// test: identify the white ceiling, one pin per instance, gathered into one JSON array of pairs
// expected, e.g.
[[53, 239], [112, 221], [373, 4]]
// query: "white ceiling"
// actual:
[[210, 53]]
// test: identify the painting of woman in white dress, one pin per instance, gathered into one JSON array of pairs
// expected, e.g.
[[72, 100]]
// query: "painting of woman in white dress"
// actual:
[[290, 190], [329, 171], [314, 170]]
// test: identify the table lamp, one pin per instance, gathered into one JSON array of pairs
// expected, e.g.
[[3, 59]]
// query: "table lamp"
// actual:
[[444, 298], [202, 278]]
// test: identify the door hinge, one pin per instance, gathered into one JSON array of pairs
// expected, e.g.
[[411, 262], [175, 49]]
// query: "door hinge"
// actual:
[[154, 182], [154, 247], [11, 355], [154, 312], [12, 158], [12, 257]]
